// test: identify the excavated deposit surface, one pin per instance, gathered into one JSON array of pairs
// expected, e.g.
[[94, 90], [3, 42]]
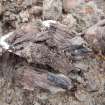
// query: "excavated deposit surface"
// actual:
[[62, 63]]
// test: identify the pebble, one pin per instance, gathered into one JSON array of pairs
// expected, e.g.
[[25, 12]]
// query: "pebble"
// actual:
[[71, 4], [81, 95], [28, 2], [81, 66], [78, 41], [1, 9], [36, 10], [69, 20], [52, 9], [24, 16]]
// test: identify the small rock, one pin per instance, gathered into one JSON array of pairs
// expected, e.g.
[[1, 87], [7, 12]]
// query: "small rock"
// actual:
[[52, 9], [77, 78], [36, 10], [95, 37], [3, 42], [81, 95], [48, 23], [69, 20], [9, 96], [37, 2], [81, 66], [92, 81], [12, 17], [77, 75], [48, 81], [2, 82], [60, 80], [91, 85], [1, 31], [19, 2], [78, 41], [28, 2], [70, 4], [79, 46], [24, 16], [84, 97], [1, 9], [1, 50]]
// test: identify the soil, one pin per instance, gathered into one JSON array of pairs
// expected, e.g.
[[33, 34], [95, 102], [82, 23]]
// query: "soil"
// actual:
[[56, 54]]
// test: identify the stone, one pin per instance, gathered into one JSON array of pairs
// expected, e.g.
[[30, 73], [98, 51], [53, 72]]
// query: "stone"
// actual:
[[95, 37], [28, 2], [1, 8], [52, 9], [84, 97], [82, 66], [48, 81], [24, 16], [69, 20], [71, 4], [92, 80], [78, 41], [1, 31], [81, 95], [19, 2], [36, 10], [1, 50], [3, 42]]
